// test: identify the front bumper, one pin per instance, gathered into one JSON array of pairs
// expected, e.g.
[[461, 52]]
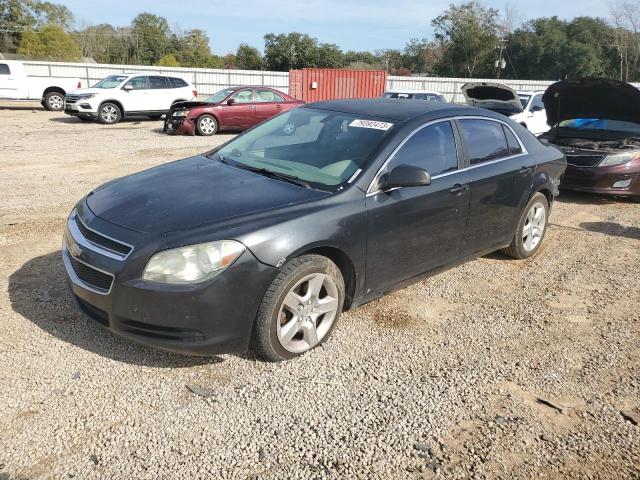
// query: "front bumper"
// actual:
[[179, 125], [211, 318], [602, 179], [82, 108]]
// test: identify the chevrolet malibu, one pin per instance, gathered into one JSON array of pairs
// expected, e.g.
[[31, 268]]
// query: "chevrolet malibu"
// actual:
[[266, 239]]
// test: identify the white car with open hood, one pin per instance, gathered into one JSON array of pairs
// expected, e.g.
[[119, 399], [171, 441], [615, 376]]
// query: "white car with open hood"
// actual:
[[526, 108]]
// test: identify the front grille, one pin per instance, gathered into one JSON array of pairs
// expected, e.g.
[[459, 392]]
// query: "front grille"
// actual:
[[93, 312], [584, 160], [71, 98], [102, 241], [92, 277]]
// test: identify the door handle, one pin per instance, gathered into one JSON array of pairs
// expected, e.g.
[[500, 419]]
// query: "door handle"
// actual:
[[525, 170], [278, 106], [459, 189]]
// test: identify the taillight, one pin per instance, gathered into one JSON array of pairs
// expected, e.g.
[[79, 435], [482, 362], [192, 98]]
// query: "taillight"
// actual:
[[79, 84], [195, 93]]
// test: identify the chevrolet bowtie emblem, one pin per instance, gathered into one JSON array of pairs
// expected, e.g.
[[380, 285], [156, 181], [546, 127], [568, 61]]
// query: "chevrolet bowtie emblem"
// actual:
[[75, 250]]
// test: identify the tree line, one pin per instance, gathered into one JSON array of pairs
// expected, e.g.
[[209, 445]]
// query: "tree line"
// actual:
[[468, 40]]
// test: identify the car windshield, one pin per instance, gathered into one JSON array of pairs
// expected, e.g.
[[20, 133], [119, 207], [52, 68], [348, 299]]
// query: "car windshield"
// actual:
[[219, 96], [322, 148], [601, 124], [111, 81], [524, 99]]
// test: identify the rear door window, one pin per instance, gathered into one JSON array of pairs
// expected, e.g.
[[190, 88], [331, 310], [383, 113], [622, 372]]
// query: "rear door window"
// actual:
[[4, 69], [512, 141], [158, 82], [265, 95], [177, 82], [484, 139]]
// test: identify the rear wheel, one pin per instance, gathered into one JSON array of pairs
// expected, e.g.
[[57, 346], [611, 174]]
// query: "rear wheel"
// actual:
[[206, 125], [54, 101], [300, 309], [531, 228], [109, 113]]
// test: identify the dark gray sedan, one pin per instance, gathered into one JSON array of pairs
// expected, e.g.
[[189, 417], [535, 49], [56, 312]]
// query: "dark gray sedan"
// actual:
[[268, 238]]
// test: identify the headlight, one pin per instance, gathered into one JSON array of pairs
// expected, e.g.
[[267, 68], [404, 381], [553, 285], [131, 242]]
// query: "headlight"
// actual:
[[192, 264], [180, 113], [619, 158], [86, 96]]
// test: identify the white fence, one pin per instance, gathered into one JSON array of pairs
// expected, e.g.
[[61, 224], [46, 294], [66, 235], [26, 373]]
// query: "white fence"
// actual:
[[206, 80], [209, 81]]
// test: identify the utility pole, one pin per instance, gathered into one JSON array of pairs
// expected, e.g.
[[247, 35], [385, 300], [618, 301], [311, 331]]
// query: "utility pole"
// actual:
[[501, 63]]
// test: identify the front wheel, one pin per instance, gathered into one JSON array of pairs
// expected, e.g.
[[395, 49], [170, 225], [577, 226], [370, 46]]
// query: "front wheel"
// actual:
[[300, 308], [109, 113], [206, 125], [531, 228], [54, 101]]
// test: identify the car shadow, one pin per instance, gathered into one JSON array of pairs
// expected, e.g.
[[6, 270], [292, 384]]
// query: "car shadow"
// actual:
[[23, 107], [585, 198], [612, 229], [132, 120], [38, 291]]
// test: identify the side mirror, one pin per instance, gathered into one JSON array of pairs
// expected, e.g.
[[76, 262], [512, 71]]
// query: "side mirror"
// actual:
[[404, 176], [536, 108], [128, 87], [231, 101]]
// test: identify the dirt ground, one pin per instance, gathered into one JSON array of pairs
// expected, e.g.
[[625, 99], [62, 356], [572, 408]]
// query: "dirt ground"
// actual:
[[494, 369]]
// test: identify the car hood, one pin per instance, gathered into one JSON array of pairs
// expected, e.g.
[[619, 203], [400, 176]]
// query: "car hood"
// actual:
[[81, 91], [191, 192], [192, 104], [492, 96], [592, 98]]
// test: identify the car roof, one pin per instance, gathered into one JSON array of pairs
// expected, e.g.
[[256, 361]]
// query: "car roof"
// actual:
[[395, 109], [395, 90]]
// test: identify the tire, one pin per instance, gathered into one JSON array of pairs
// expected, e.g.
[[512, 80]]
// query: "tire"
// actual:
[[530, 232], [279, 334], [109, 113], [206, 125], [54, 101]]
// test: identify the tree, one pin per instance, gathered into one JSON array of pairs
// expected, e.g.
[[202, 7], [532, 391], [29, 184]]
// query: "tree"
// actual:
[[106, 44], [48, 13], [284, 52], [361, 60], [422, 55], [229, 61], [169, 60], [192, 49], [328, 55], [468, 36], [248, 58], [151, 34], [15, 17], [49, 43]]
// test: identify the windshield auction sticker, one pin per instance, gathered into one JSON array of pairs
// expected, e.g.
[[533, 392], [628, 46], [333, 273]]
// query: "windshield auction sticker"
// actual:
[[371, 124]]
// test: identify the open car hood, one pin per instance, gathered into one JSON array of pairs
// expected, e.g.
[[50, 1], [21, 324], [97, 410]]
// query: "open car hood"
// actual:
[[191, 104], [592, 98], [492, 96]]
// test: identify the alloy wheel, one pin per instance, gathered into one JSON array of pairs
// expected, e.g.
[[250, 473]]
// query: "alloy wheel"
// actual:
[[109, 114], [207, 125], [307, 312], [534, 225], [56, 102]]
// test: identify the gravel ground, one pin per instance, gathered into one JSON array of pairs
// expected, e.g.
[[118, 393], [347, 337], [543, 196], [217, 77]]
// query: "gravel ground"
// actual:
[[495, 369]]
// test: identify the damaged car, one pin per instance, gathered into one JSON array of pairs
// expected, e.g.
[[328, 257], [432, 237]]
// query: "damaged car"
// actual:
[[596, 123], [235, 108]]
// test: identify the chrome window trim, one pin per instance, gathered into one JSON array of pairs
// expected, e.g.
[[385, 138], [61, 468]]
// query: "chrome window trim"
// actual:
[[89, 245], [450, 119], [77, 280]]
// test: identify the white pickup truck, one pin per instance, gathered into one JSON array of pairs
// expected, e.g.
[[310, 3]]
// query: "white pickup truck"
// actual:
[[16, 84]]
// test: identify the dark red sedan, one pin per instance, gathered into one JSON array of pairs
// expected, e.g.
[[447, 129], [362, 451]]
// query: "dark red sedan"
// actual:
[[236, 108]]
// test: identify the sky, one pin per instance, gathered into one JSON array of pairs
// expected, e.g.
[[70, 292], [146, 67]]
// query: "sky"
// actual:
[[351, 24]]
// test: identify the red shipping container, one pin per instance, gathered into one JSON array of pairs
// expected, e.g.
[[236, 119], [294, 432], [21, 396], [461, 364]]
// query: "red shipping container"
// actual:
[[315, 84]]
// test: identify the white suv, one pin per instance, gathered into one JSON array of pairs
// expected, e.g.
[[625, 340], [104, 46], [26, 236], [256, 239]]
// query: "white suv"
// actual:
[[533, 116], [128, 95]]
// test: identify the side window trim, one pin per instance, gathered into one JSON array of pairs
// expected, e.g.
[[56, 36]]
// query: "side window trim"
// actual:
[[467, 166]]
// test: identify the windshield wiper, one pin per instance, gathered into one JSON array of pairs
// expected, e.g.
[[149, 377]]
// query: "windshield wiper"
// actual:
[[267, 173]]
